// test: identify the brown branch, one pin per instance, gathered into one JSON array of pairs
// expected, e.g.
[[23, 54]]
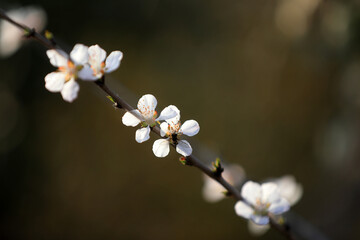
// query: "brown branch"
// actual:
[[120, 103]]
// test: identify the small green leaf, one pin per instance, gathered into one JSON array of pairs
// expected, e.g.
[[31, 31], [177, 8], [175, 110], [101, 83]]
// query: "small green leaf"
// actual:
[[218, 169], [49, 35], [27, 32], [111, 99], [226, 193]]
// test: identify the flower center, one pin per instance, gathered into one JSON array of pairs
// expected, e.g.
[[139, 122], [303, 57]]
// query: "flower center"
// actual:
[[70, 70], [261, 208], [98, 68], [149, 115], [173, 129]]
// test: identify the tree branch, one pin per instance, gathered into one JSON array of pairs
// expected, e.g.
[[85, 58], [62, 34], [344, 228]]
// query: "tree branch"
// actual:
[[120, 103]]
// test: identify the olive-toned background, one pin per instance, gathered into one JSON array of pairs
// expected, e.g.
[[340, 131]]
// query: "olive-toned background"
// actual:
[[274, 86]]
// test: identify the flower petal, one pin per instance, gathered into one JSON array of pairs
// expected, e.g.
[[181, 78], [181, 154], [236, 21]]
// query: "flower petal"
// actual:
[[184, 148], [212, 190], [57, 57], [279, 207], [167, 113], [54, 82], [175, 119], [251, 191], [79, 55], [87, 74], [113, 61], [130, 119], [142, 134], [270, 192], [242, 209], [70, 90], [97, 55], [290, 189], [260, 220], [164, 128], [147, 103], [190, 128], [257, 230], [161, 147], [10, 38], [234, 174]]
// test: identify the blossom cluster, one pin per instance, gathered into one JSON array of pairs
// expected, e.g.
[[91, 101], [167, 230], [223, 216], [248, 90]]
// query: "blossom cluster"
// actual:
[[171, 129], [86, 63], [90, 64], [260, 201], [257, 205]]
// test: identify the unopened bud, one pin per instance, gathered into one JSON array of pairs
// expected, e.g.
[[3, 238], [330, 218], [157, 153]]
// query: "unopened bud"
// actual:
[[49, 35], [183, 160]]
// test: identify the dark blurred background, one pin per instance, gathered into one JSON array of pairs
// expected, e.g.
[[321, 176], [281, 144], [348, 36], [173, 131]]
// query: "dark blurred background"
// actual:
[[274, 85]]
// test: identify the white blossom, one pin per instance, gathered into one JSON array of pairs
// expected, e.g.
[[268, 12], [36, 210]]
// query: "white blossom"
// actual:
[[147, 116], [260, 201], [11, 37], [213, 191], [289, 189], [173, 129], [64, 79], [98, 64]]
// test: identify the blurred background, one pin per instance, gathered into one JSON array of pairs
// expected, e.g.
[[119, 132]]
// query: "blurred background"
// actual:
[[274, 85]]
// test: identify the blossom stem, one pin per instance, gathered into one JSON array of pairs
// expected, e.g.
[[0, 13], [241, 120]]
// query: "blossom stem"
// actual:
[[192, 160]]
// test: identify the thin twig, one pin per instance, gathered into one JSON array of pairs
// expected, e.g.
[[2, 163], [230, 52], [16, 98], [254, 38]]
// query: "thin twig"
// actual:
[[120, 103]]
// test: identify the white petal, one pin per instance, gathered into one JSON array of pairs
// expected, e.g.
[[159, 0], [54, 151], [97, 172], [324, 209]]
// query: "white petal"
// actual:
[[251, 192], [57, 58], [87, 74], [32, 16], [260, 220], [212, 190], [142, 134], [161, 147], [79, 55], [130, 119], [270, 193], [190, 128], [184, 148], [234, 174], [290, 189], [70, 90], [97, 55], [242, 209], [113, 61], [10, 38], [175, 119], [167, 113], [257, 230], [279, 207], [54, 82], [147, 103], [35, 18], [164, 127]]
